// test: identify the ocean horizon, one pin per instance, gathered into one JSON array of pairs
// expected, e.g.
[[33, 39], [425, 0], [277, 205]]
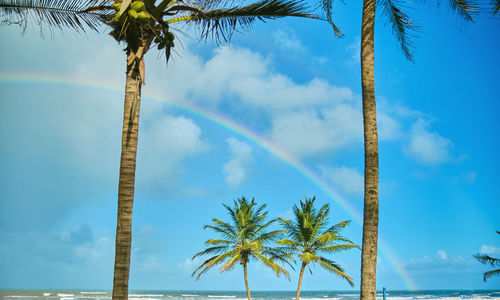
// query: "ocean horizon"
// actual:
[[63, 294]]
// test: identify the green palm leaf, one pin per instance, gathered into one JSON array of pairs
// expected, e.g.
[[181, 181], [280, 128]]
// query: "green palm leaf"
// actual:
[[248, 237], [403, 26], [464, 8], [221, 23], [53, 13], [335, 268], [496, 5]]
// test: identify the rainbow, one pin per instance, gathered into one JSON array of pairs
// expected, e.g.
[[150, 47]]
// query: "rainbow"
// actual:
[[227, 123]]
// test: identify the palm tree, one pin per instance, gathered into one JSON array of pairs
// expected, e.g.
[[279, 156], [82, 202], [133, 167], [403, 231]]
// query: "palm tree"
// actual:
[[308, 236], [486, 259], [245, 237], [141, 25], [402, 26]]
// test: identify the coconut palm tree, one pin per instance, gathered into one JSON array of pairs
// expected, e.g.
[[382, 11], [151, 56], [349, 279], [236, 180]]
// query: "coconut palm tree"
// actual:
[[245, 237], [308, 235], [402, 27], [141, 25], [486, 259]]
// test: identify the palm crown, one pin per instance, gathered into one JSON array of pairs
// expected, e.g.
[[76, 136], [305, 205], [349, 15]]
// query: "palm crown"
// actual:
[[246, 237], [148, 20], [309, 235]]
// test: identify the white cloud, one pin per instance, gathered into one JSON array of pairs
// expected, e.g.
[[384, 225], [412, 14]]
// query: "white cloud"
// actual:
[[309, 132], [348, 180], [164, 144], [235, 170], [426, 146], [442, 255], [489, 250], [287, 40], [441, 263], [354, 50], [305, 118]]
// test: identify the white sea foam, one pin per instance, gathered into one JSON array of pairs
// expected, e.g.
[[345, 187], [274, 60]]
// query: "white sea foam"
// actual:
[[20, 296], [221, 296], [93, 293], [46, 294], [188, 295], [65, 295], [144, 295]]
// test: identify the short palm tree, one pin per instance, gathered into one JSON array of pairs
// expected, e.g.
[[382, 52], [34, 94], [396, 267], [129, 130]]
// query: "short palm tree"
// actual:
[[245, 237], [486, 259], [309, 236], [141, 25]]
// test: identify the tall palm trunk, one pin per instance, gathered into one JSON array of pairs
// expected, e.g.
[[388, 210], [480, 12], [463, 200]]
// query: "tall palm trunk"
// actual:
[[297, 296], [130, 133], [370, 218], [246, 281]]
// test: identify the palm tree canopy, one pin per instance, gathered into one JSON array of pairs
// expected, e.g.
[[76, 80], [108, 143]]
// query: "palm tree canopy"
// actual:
[[148, 19], [309, 234], [246, 236]]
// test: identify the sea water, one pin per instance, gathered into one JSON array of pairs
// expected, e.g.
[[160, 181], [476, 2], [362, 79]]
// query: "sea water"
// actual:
[[241, 295]]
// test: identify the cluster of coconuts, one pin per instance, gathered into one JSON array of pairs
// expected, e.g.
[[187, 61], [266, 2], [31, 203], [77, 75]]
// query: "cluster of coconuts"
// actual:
[[166, 38], [136, 11]]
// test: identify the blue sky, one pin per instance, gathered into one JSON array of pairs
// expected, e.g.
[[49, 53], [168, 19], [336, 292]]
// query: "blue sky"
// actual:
[[293, 85]]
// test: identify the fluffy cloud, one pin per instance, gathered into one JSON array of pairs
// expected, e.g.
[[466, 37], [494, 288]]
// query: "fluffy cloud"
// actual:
[[426, 146], [165, 142], [303, 118], [287, 40], [441, 263], [241, 156], [309, 132], [489, 250], [348, 180]]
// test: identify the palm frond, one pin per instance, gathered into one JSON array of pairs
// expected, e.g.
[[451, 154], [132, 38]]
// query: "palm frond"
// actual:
[[402, 25], [213, 261], [486, 259], [211, 250], [217, 242], [268, 262], [496, 8], [221, 23], [491, 273], [57, 14], [335, 268], [337, 248], [327, 6], [229, 265], [464, 8]]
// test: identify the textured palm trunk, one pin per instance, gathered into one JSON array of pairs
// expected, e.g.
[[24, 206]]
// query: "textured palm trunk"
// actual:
[[130, 133], [297, 296], [370, 219], [246, 281]]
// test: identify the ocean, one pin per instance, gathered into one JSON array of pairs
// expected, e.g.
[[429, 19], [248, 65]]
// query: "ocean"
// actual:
[[241, 295]]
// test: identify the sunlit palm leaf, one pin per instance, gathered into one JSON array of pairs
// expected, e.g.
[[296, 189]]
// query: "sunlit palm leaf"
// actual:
[[335, 268], [52, 13], [221, 23], [403, 26]]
